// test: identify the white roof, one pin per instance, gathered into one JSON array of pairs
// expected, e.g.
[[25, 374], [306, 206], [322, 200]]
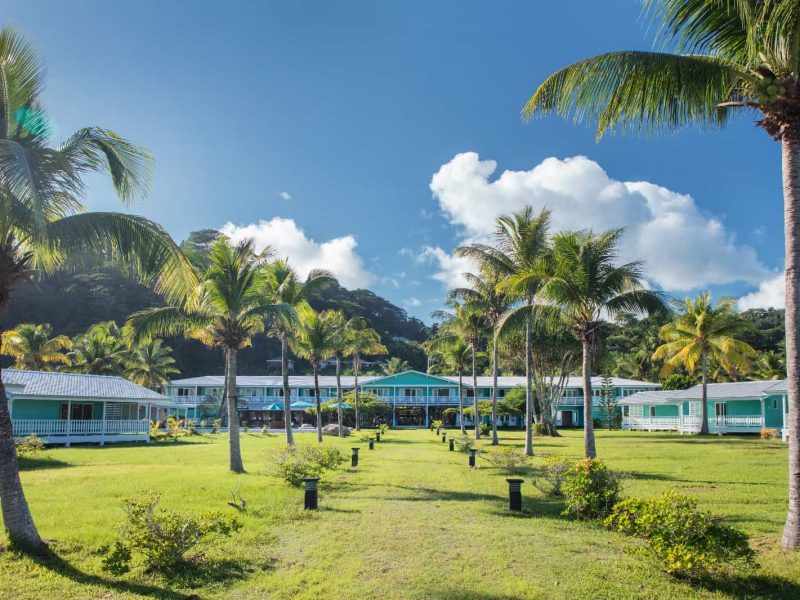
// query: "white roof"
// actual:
[[49, 384], [741, 390], [572, 381], [653, 397]]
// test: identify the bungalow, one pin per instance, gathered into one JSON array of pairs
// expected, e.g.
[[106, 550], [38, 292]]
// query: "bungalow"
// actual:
[[67, 408], [742, 407], [416, 398]]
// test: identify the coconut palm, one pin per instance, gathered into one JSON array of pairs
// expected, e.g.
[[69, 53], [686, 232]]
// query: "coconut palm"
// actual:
[[485, 296], [150, 364], [395, 365], [771, 365], [731, 56], [32, 347], [455, 352], [316, 339], [339, 344], [102, 350], [42, 222], [284, 286], [701, 332], [463, 321], [361, 341], [587, 286], [228, 307]]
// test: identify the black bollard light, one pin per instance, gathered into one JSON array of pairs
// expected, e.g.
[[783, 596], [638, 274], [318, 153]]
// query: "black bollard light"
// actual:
[[371, 444], [444, 437], [514, 494], [437, 431], [472, 453], [311, 492], [354, 458], [452, 444], [377, 436]]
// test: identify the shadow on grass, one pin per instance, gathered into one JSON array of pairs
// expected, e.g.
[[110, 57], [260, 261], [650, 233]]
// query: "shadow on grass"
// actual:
[[339, 510], [34, 463], [462, 594], [752, 586]]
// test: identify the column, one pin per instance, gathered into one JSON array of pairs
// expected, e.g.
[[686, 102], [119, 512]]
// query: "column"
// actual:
[[763, 414], [69, 420], [103, 426]]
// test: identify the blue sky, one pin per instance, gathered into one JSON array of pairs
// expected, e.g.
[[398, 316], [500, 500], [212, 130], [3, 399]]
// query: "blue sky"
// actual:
[[330, 121]]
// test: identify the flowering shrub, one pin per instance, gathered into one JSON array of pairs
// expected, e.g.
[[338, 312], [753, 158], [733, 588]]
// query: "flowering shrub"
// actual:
[[591, 489], [768, 434]]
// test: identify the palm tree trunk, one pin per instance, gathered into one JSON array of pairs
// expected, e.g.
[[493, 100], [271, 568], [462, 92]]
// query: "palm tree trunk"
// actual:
[[495, 356], [704, 395], [17, 516], [339, 394], [461, 402], [316, 397], [287, 392], [791, 202], [356, 369], [475, 415], [235, 450], [528, 390], [588, 425]]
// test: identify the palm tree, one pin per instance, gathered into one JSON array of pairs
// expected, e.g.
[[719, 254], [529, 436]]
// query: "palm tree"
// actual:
[[339, 345], [455, 352], [771, 365], [740, 55], [361, 341], [465, 322], [32, 347], [316, 339], [284, 286], [700, 332], [485, 296], [151, 364], [586, 285], [42, 222], [395, 365], [229, 306], [102, 350]]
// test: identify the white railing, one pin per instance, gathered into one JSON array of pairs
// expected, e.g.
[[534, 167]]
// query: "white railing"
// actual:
[[56, 427], [650, 422], [724, 423]]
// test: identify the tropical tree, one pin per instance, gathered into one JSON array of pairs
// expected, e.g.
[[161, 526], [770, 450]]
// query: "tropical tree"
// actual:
[[228, 307], [102, 350], [150, 364], [339, 346], [771, 365], [395, 365], [730, 56], [284, 286], [587, 286], [33, 348], [360, 341], [455, 352], [703, 331], [316, 339], [42, 223]]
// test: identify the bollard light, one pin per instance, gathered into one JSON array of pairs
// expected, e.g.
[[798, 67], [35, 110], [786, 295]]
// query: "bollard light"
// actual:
[[437, 431], [472, 453], [514, 494], [310, 484], [444, 437], [377, 436], [452, 444], [354, 458], [371, 444]]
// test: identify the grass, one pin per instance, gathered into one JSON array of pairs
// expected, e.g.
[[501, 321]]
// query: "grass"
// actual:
[[413, 522]]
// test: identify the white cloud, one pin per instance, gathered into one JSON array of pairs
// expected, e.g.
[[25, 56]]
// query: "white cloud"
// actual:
[[289, 241], [451, 268], [286, 196], [683, 248], [770, 294], [412, 302]]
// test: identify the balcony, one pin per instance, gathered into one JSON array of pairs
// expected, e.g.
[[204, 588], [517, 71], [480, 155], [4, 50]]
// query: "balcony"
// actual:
[[62, 431]]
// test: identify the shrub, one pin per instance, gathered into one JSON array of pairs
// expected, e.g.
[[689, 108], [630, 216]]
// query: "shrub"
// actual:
[[768, 434], [687, 541], [485, 429], [463, 443], [436, 424], [191, 426], [510, 460], [32, 444], [591, 489], [216, 425], [549, 478], [294, 463], [597, 423], [163, 538], [539, 429]]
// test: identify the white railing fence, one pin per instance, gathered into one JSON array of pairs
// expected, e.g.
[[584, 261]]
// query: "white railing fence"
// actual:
[[726, 422], [651, 422], [51, 427]]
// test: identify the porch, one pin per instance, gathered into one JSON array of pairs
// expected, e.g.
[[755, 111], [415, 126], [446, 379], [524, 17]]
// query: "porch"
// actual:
[[68, 431]]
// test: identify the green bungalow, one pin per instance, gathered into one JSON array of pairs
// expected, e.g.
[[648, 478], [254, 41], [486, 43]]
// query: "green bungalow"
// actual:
[[67, 408], [742, 407]]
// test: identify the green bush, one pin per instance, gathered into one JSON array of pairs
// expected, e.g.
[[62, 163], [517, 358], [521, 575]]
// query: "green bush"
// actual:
[[294, 463], [549, 477], [216, 425], [436, 424], [591, 489], [485, 429], [31, 444], [463, 443], [163, 538], [539, 429], [687, 541], [509, 460]]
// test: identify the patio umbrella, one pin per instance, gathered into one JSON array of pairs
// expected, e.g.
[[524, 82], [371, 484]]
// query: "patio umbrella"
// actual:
[[301, 405], [344, 405], [274, 406]]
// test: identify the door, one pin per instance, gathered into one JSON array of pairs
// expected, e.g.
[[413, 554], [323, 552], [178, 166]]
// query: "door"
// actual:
[[566, 418]]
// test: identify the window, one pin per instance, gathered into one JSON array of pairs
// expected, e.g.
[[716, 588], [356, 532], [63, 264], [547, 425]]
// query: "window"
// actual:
[[184, 391], [443, 392], [720, 409], [775, 403], [80, 411], [652, 411]]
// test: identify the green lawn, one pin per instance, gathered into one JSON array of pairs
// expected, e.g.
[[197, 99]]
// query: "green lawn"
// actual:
[[413, 522]]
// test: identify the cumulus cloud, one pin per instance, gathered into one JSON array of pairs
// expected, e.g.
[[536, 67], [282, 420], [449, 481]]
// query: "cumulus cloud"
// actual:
[[290, 241], [770, 294], [286, 196], [412, 302], [450, 269], [682, 247]]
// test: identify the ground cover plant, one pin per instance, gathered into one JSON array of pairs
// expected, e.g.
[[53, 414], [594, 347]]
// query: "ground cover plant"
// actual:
[[405, 524]]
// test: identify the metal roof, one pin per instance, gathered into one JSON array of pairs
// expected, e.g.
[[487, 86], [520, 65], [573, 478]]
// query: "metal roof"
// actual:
[[653, 397], [740, 390], [48, 384]]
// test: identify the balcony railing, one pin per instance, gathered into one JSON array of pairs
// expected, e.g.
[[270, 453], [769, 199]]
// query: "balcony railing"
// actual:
[[59, 427], [727, 423], [650, 422]]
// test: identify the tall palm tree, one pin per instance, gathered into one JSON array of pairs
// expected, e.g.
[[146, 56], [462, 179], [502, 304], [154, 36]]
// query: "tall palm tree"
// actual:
[[463, 321], [361, 341], [731, 56], [316, 339], [229, 307], [519, 245], [395, 365], [771, 365], [485, 296], [701, 332], [151, 364], [284, 286], [102, 350], [455, 352], [32, 347], [587, 286], [339, 345], [42, 222]]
